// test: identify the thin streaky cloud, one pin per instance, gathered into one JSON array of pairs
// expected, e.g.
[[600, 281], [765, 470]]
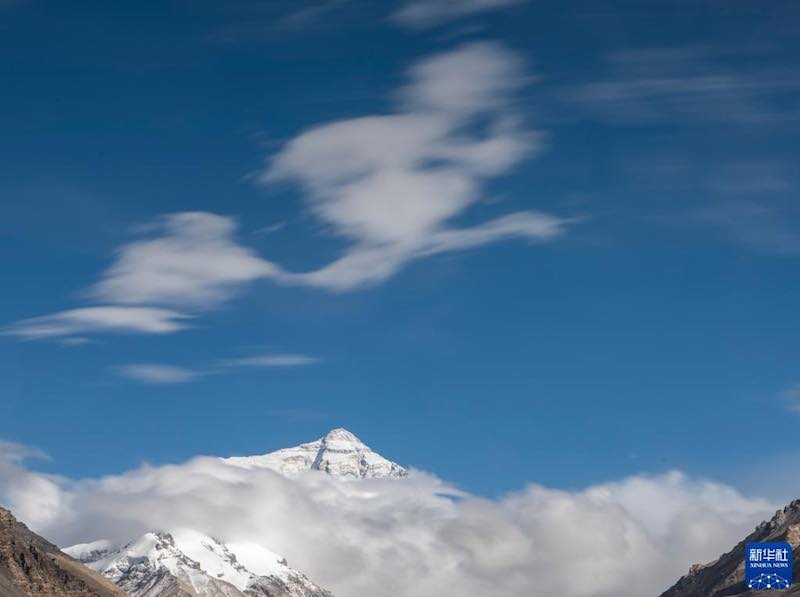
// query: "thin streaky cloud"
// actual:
[[272, 360], [685, 86], [791, 398], [153, 373], [313, 12], [99, 319], [16, 453], [755, 225], [426, 14], [161, 373]]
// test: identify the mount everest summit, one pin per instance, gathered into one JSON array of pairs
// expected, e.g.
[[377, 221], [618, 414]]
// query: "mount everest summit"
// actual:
[[339, 453], [188, 563]]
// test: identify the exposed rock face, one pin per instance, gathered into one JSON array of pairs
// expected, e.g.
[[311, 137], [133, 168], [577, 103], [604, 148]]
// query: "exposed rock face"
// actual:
[[339, 453], [186, 563], [725, 576], [31, 566]]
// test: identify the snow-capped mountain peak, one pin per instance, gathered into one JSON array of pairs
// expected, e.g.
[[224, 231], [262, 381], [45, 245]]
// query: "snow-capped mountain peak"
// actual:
[[341, 435], [339, 453], [185, 562]]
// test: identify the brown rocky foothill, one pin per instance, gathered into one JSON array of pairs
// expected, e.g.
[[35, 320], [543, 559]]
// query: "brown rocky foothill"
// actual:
[[724, 577], [30, 566]]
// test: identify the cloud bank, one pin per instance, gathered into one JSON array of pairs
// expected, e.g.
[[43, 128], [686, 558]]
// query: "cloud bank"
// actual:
[[411, 538]]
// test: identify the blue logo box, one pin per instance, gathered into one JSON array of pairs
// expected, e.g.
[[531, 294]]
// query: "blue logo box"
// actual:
[[768, 566]]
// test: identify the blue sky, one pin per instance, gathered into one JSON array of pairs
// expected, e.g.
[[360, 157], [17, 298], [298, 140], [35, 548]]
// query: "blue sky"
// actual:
[[506, 242]]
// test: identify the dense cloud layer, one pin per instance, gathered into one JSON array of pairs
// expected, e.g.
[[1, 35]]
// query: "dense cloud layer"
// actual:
[[416, 537]]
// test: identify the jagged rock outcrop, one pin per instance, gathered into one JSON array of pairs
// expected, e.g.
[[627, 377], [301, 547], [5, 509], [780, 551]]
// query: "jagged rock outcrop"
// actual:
[[30, 566], [724, 577]]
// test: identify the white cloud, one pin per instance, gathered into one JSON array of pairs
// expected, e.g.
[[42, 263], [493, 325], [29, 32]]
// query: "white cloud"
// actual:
[[192, 259], [36, 497], [791, 397], [188, 259], [760, 225], [272, 360], [369, 264], [158, 374], [161, 373], [392, 184], [630, 538], [686, 86], [14, 454], [424, 14], [476, 78], [313, 11], [107, 318]]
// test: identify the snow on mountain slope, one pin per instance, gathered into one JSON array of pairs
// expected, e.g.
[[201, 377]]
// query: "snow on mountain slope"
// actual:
[[339, 453], [89, 552], [188, 563]]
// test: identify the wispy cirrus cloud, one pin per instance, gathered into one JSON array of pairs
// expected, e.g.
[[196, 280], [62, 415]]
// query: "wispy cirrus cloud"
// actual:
[[755, 205], [686, 85], [791, 398], [312, 11], [753, 224], [751, 203], [272, 360], [426, 14], [161, 373], [104, 318], [158, 374]]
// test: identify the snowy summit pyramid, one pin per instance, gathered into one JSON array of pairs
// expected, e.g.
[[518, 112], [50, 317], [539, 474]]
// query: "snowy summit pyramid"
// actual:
[[339, 453]]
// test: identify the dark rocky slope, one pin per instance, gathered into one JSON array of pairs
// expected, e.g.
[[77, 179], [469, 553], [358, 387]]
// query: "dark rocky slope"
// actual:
[[725, 576], [32, 567]]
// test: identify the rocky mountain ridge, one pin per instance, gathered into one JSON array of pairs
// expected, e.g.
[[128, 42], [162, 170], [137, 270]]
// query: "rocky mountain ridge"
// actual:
[[31, 566], [724, 577]]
